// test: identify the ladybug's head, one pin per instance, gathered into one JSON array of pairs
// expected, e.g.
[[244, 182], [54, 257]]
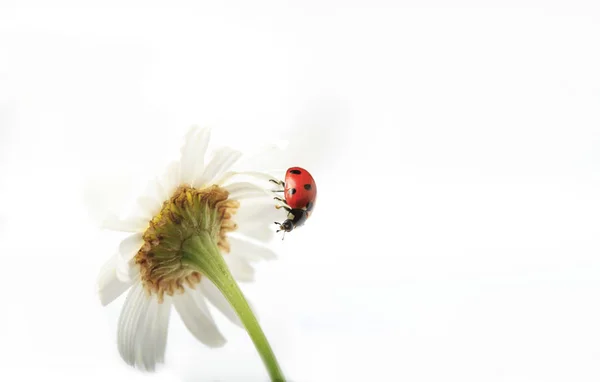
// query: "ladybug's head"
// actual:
[[286, 226]]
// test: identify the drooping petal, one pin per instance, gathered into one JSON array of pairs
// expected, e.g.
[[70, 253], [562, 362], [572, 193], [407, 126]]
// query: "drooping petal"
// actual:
[[151, 346], [240, 268], [249, 250], [144, 347], [127, 251], [143, 326], [109, 286], [162, 326], [197, 318], [134, 309], [216, 298], [192, 154], [222, 160]]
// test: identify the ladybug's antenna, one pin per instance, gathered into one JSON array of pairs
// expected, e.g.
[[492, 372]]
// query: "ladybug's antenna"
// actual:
[[280, 229]]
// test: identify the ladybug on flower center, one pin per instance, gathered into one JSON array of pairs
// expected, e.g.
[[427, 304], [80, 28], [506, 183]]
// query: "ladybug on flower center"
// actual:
[[300, 195]]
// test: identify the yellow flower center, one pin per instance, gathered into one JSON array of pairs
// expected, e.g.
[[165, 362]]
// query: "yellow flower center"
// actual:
[[187, 213]]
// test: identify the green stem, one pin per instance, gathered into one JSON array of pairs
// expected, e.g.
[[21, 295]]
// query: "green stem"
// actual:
[[201, 253]]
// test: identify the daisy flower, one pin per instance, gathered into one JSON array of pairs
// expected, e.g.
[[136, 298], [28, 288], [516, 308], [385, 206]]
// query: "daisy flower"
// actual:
[[194, 232]]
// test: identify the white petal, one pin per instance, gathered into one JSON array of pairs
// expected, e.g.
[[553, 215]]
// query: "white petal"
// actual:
[[247, 190], [144, 347], [172, 178], [143, 326], [106, 194], [265, 213], [154, 195], [162, 326], [152, 191], [187, 164], [132, 224], [130, 246], [249, 250], [109, 286], [135, 307], [258, 230], [152, 345], [127, 251], [196, 317], [160, 191], [261, 157], [127, 272], [214, 295], [223, 159], [192, 154], [240, 268], [149, 206], [253, 175]]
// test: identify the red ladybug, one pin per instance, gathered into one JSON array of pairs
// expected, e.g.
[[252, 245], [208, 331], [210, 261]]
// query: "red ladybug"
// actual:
[[300, 191]]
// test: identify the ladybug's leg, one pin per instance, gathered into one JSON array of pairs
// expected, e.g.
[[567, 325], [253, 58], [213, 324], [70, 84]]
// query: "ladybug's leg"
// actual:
[[288, 209], [277, 182], [284, 206]]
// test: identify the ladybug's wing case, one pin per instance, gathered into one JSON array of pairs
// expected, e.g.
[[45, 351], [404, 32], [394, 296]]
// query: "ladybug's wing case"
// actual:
[[300, 188]]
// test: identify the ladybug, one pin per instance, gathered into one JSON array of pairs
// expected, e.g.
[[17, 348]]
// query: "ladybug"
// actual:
[[300, 195]]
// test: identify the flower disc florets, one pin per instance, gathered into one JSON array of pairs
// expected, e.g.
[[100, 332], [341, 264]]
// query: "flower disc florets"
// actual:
[[189, 212]]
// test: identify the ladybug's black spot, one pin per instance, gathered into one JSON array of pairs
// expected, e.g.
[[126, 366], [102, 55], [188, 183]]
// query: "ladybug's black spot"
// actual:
[[307, 186], [292, 191], [297, 172]]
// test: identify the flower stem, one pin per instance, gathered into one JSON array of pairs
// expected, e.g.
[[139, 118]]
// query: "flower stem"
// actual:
[[201, 253]]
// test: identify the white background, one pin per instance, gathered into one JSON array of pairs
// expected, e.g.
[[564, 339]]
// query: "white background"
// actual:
[[456, 150]]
